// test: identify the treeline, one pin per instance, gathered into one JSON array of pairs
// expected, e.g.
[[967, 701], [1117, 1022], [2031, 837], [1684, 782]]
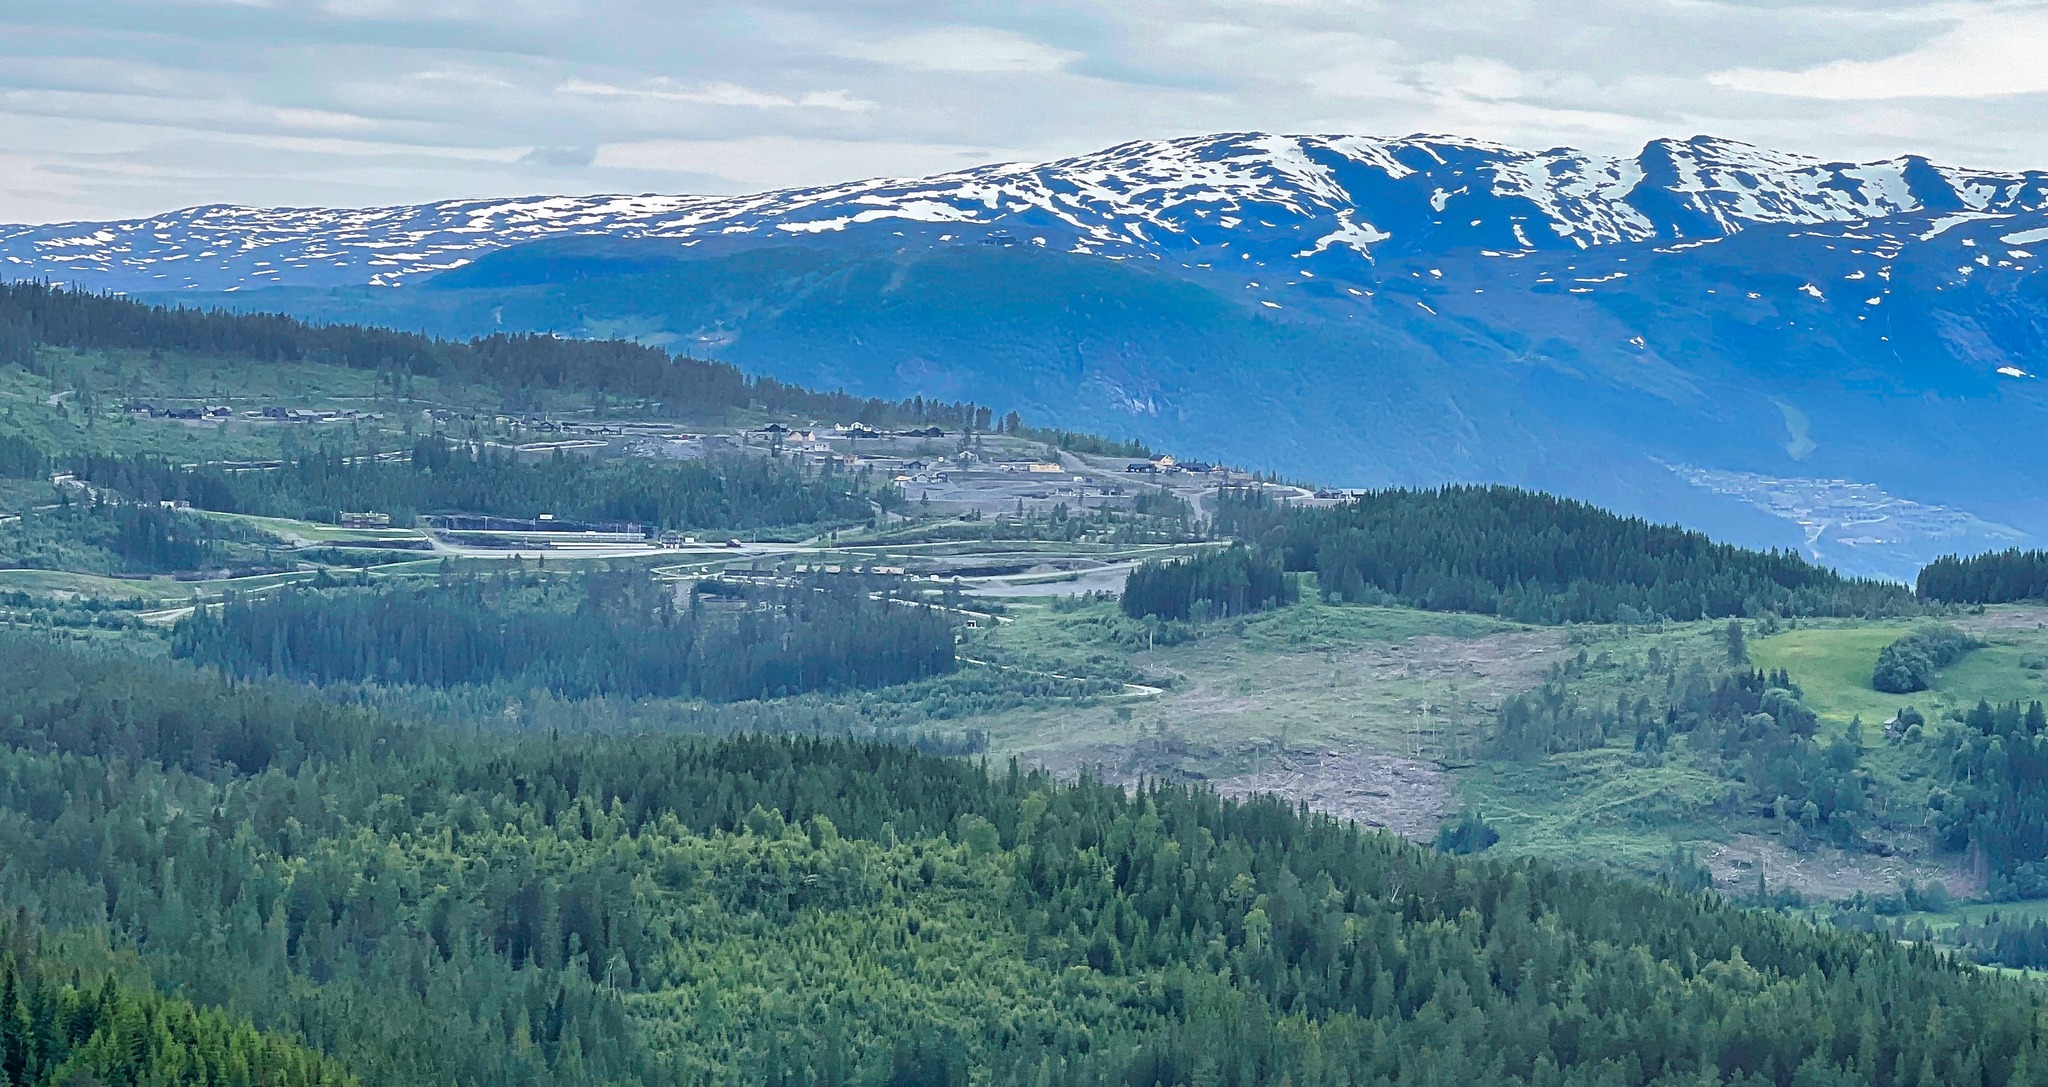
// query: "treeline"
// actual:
[[1995, 802], [2018, 942], [1910, 663], [1537, 558], [23, 459], [618, 634], [2021, 944], [441, 909], [2001, 577], [58, 1031], [1072, 441], [106, 538], [445, 476], [1235, 580], [33, 314]]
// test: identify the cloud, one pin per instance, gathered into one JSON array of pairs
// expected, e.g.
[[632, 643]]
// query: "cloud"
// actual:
[[964, 49], [113, 108], [765, 162], [561, 157], [719, 94], [1987, 51]]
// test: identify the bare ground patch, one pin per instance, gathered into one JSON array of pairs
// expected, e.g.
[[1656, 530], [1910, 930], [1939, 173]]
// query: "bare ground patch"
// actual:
[[1207, 701], [1406, 796], [2007, 618], [1826, 873], [1489, 668]]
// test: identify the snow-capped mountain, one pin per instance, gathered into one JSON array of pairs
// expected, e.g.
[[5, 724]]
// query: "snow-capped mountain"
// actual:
[[1837, 357], [1316, 200]]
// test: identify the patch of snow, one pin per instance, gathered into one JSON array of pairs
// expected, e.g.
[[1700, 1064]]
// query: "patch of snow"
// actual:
[[1949, 222]]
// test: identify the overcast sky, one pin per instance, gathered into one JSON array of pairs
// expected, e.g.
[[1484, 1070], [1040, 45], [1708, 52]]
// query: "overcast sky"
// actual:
[[112, 108]]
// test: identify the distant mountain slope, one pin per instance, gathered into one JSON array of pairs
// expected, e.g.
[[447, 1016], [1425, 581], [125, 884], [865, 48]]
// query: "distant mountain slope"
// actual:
[[1266, 197], [1773, 348], [1272, 198]]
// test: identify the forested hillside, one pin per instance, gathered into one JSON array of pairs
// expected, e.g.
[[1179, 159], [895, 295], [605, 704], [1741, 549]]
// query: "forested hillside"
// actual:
[[36, 314], [1232, 581], [433, 908], [58, 1029], [2000, 577], [129, 538], [441, 475], [1538, 558], [607, 634]]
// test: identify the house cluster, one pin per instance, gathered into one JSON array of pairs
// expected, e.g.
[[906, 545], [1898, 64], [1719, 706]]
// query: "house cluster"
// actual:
[[1032, 467], [572, 426], [300, 415], [531, 452], [1166, 465], [798, 437], [151, 411], [270, 414]]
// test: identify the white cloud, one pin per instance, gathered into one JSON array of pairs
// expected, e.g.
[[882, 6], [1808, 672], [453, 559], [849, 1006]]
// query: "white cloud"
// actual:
[[765, 162], [963, 49], [1989, 50], [323, 120], [111, 108], [719, 94]]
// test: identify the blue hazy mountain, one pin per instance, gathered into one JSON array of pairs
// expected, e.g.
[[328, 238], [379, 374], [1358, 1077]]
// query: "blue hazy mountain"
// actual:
[[1840, 357]]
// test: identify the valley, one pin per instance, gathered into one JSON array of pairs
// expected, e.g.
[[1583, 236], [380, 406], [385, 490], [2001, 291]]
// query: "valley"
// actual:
[[581, 681], [1374, 713], [1023, 545]]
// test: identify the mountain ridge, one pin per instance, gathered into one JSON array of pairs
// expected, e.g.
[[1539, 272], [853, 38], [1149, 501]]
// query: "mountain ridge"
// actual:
[[1361, 194], [1840, 357]]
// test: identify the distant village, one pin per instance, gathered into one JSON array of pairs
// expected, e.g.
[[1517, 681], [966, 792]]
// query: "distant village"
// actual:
[[947, 472]]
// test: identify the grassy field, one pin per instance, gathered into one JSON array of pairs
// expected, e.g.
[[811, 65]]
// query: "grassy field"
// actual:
[[1832, 662], [1286, 700], [314, 531], [60, 582], [153, 590], [20, 495], [1977, 913]]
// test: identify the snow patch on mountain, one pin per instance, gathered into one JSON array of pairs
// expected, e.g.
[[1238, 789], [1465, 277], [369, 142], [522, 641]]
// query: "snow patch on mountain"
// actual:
[[1268, 197]]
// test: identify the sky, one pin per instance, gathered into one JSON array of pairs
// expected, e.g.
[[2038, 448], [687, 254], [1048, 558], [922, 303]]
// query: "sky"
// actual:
[[113, 108]]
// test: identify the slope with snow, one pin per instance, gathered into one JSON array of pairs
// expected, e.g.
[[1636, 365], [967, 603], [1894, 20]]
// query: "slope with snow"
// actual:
[[1248, 199]]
